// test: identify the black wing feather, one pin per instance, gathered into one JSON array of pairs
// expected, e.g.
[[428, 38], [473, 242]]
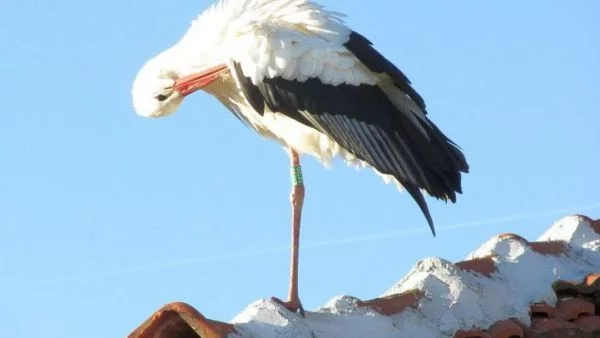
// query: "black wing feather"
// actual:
[[365, 122], [363, 49], [253, 95]]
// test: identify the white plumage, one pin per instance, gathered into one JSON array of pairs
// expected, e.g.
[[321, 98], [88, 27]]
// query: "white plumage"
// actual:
[[294, 39], [295, 73]]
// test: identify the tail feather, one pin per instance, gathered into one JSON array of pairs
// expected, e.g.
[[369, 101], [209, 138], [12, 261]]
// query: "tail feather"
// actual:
[[418, 197]]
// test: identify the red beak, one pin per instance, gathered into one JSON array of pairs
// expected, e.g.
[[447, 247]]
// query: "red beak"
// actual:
[[191, 83]]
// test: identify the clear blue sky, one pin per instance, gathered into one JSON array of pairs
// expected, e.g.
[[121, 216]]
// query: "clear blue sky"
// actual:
[[106, 216]]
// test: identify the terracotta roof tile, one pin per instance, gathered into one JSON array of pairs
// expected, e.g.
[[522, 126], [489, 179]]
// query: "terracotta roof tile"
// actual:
[[549, 247], [589, 323], [593, 281], [550, 324], [594, 224], [179, 320], [393, 304], [507, 288], [473, 333], [484, 265], [545, 247], [589, 286], [543, 310], [506, 328], [573, 308], [566, 309]]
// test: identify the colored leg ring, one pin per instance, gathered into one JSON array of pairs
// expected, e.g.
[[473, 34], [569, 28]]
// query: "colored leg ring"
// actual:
[[297, 175]]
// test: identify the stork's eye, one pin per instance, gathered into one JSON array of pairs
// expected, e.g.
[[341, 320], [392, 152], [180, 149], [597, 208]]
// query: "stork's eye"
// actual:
[[161, 97]]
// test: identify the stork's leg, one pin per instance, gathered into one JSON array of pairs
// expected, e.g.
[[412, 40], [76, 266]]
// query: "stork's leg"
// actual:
[[297, 199]]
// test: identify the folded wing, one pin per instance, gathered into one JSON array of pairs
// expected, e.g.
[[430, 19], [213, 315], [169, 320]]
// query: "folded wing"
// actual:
[[351, 93]]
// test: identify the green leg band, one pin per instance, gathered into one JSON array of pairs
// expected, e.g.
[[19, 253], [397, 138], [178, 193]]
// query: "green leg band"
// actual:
[[297, 175]]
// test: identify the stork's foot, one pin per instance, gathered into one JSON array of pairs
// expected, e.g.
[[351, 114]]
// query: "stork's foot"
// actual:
[[294, 305]]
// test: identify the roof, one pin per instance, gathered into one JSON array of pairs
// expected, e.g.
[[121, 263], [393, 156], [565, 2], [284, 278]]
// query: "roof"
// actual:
[[507, 288]]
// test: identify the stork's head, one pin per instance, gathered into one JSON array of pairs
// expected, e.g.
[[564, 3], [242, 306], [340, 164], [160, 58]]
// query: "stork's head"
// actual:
[[159, 88], [153, 90]]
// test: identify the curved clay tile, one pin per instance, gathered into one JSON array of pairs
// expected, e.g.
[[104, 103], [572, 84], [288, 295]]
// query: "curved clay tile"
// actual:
[[484, 265], [510, 235], [506, 329], [503, 329], [543, 310], [543, 247], [176, 320], [595, 224], [593, 281], [588, 286], [589, 323], [549, 247], [473, 333], [573, 308], [393, 304], [551, 324], [566, 309]]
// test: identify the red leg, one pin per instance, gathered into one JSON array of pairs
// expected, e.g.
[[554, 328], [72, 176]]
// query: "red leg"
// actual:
[[297, 199]]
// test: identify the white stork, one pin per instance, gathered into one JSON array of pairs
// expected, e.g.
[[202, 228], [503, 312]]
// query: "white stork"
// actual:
[[295, 73]]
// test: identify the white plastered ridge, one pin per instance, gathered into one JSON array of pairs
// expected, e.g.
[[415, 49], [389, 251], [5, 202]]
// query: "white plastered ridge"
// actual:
[[453, 299]]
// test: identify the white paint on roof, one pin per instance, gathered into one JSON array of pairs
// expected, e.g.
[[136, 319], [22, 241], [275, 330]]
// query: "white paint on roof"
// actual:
[[453, 299]]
